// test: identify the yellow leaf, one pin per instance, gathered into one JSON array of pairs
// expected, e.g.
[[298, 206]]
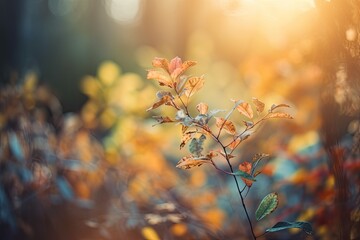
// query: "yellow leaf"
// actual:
[[193, 85], [278, 115], [149, 233], [259, 105], [202, 108], [227, 125], [245, 109]]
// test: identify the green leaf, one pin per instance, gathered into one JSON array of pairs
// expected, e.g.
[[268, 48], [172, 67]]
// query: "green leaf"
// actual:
[[195, 146], [267, 206], [305, 226], [244, 175]]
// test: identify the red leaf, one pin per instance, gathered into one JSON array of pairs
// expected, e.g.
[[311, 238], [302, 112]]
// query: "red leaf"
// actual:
[[177, 67]]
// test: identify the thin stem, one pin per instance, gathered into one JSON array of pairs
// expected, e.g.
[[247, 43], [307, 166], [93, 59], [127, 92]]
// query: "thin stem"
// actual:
[[240, 194], [182, 102]]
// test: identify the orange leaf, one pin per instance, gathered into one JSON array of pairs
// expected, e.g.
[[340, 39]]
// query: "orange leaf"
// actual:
[[259, 105], [246, 167], [278, 115], [202, 108], [234, 144], [189, 162], [227, 125], [161, 77], [245, 109], [193, 85], [161, 63]]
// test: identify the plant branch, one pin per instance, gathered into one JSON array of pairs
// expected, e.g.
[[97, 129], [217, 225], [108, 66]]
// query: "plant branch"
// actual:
[[240, 194]]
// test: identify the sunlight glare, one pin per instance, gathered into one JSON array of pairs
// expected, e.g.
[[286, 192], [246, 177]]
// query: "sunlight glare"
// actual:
[[124, 11]]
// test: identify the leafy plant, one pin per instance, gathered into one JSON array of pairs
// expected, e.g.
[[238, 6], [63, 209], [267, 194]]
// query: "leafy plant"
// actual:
[[227, 134]]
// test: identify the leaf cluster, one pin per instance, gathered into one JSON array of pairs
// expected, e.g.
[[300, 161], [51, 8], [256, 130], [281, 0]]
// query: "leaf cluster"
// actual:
[[221, 129]]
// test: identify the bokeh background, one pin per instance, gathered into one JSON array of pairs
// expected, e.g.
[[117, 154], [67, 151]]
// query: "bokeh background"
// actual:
[[80, 158]]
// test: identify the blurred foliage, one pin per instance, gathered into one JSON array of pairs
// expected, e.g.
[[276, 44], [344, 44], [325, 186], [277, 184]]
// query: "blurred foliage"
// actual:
[[103, 172]]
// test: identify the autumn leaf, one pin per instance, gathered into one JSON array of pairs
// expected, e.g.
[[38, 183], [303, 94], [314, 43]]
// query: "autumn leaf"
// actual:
[[162, 119], [258, 104], [259, 156], [161, 63], [193, 85], [245, 109], [227, 125], [234, 143], [177, 67], [278, 115], [175, 63], [275, 106], [161, 77], [246, 167], [189, 162], [185, 138], [165, 99], [202, 108]]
